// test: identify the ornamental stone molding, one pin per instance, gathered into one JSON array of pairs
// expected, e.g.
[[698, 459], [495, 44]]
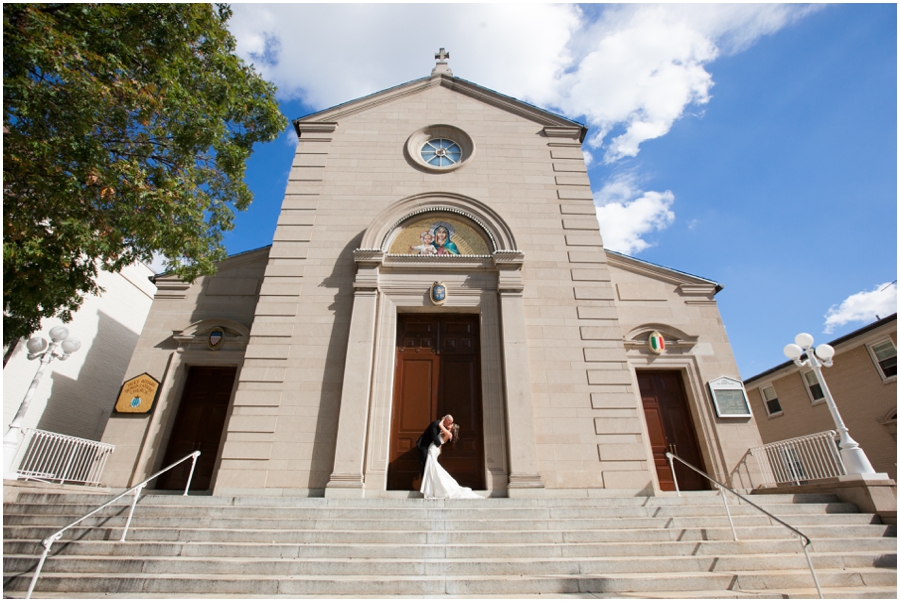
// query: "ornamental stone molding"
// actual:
[[638, 337], [498, 233], [236, 334]]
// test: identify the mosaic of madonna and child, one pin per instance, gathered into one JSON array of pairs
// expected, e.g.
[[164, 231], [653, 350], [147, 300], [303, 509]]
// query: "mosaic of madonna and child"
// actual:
[[439, 235]]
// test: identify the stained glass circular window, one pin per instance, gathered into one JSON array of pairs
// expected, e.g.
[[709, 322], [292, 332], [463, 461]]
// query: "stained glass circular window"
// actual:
[[439, 148], [441, 152]]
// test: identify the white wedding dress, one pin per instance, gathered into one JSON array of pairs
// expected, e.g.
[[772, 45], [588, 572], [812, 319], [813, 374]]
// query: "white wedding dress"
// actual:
[[437, 482]]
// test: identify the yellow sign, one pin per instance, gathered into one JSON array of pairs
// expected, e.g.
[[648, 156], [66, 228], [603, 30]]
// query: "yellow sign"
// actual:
[[137, 395]]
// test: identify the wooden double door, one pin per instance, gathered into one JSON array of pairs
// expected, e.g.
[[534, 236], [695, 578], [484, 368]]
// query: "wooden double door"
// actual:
[[199, 423], [438, 372], [671, 428]]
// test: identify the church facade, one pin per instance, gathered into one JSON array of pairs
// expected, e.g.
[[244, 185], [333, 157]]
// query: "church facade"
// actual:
[[437, 252]]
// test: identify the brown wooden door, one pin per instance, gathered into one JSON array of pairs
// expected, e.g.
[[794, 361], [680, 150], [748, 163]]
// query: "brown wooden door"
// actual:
[[438, 372], [198, 426], [671, 428]]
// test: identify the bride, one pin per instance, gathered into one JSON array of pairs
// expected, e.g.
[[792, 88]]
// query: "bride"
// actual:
[[437, 482]]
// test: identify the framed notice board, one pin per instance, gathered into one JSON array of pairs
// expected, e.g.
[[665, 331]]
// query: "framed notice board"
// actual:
[[730, 398]]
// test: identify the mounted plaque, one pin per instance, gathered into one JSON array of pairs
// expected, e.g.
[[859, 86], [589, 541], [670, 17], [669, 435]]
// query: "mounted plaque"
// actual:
[[137, 395], [657, 342], [438, 293], [216, 338], [729, 398]]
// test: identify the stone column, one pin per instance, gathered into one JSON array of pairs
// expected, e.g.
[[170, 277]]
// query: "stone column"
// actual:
[[349, 455], [523, 467]]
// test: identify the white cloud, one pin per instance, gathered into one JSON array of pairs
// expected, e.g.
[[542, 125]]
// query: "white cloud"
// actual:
[[331, 53], [588, 158], [158, 263], [626, 214], [640, 66], [863, 307], [291, 139], [632, 71]]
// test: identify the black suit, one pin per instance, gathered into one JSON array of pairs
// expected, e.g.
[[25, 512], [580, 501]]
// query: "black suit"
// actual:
[[431, 435]]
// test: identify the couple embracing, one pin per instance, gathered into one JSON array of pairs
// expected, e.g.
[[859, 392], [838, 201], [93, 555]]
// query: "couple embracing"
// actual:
[[437, 482]]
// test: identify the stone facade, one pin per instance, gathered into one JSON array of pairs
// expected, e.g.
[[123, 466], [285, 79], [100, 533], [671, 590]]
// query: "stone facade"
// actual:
[[865, 397], [564, 325]]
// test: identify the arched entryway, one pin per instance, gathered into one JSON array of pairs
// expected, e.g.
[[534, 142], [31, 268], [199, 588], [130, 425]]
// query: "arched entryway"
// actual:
[[462, 247]]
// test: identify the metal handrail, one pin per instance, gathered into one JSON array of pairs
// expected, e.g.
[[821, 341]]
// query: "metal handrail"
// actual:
[[47, 457], [800, 459], [49, 541], [722, 489]]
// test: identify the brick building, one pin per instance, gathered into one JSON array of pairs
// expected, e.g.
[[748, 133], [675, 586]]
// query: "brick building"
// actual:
[[788, 401]]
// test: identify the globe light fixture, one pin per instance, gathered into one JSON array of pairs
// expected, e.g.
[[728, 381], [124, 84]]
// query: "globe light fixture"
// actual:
[[37, 348], [853, 456]]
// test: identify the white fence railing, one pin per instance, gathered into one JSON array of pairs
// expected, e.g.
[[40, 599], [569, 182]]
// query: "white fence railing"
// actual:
[[54, 458], [800, 460]]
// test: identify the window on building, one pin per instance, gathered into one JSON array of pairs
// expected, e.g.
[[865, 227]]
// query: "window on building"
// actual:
[[884, 353], [770, 399], [813, 387]]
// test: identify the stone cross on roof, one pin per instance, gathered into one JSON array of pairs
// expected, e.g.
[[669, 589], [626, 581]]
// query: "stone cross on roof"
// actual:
[[441, 67]]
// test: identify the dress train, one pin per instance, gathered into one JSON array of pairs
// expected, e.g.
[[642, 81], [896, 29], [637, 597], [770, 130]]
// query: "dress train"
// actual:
[[437, 482]]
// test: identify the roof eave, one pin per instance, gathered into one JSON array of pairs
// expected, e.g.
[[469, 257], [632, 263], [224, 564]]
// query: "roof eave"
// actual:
[[462, 86]]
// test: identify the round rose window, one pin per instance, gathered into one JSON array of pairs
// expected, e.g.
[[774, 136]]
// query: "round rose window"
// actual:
[[441, 152]]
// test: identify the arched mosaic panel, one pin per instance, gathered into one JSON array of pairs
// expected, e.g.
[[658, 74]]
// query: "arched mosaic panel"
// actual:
[[439, 234]]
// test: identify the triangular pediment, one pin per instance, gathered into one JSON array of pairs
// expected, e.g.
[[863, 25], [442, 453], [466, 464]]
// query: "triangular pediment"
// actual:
[[687, 284], [549, 120]]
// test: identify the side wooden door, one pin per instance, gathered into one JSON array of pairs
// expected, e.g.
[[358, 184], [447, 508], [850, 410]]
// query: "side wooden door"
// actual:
[[671, 428], [198, 426], [437, 373]]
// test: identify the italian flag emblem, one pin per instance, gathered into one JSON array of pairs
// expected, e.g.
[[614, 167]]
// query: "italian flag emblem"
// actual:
[[657, 342]]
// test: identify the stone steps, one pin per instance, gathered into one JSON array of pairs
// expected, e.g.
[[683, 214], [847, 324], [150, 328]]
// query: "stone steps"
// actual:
[[193, 548], [871, 533], [448, 513], [329, 564], [180, 585], [553, 546], [444, 524]]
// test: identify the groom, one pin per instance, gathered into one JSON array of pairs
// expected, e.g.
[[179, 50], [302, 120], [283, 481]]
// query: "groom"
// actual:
[[431, 435]]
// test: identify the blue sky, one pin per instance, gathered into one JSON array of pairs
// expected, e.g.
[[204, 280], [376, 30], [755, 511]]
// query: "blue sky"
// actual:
[[753, 145]]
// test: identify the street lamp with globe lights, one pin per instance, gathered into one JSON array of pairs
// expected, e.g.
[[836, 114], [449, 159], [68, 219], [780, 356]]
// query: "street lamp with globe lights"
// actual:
[[37, 348], [854, 458]]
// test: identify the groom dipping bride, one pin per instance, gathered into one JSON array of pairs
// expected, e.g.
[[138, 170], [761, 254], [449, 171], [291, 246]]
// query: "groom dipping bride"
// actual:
[[437, 482]]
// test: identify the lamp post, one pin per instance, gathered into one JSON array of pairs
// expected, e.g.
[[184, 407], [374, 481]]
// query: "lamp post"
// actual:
[[853, 456], [37, 348]]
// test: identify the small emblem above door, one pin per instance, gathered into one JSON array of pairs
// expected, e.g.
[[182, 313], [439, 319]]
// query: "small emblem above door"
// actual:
[[216, 338], [438, 293], [656, 342]]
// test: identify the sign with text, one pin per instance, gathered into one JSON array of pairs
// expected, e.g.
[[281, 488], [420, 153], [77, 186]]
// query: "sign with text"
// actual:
[[729, 398], [137, 395]]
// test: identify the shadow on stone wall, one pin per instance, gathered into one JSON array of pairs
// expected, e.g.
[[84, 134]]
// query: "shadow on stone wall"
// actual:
[[341, 282], [81, 407]]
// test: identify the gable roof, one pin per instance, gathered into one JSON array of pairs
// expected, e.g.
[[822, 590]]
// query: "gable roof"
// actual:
[[639, 266], [486, 95]]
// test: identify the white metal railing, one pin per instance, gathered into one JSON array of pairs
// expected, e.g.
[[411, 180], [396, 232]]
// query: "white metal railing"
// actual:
[[51, 457], [800, 459], [49, 541], [723, 489]]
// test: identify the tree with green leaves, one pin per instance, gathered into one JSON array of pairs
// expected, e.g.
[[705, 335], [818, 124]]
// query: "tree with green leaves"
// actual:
[[127, 128]]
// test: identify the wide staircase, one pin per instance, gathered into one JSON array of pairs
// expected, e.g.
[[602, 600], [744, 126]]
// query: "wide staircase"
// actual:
[[646, 547]]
